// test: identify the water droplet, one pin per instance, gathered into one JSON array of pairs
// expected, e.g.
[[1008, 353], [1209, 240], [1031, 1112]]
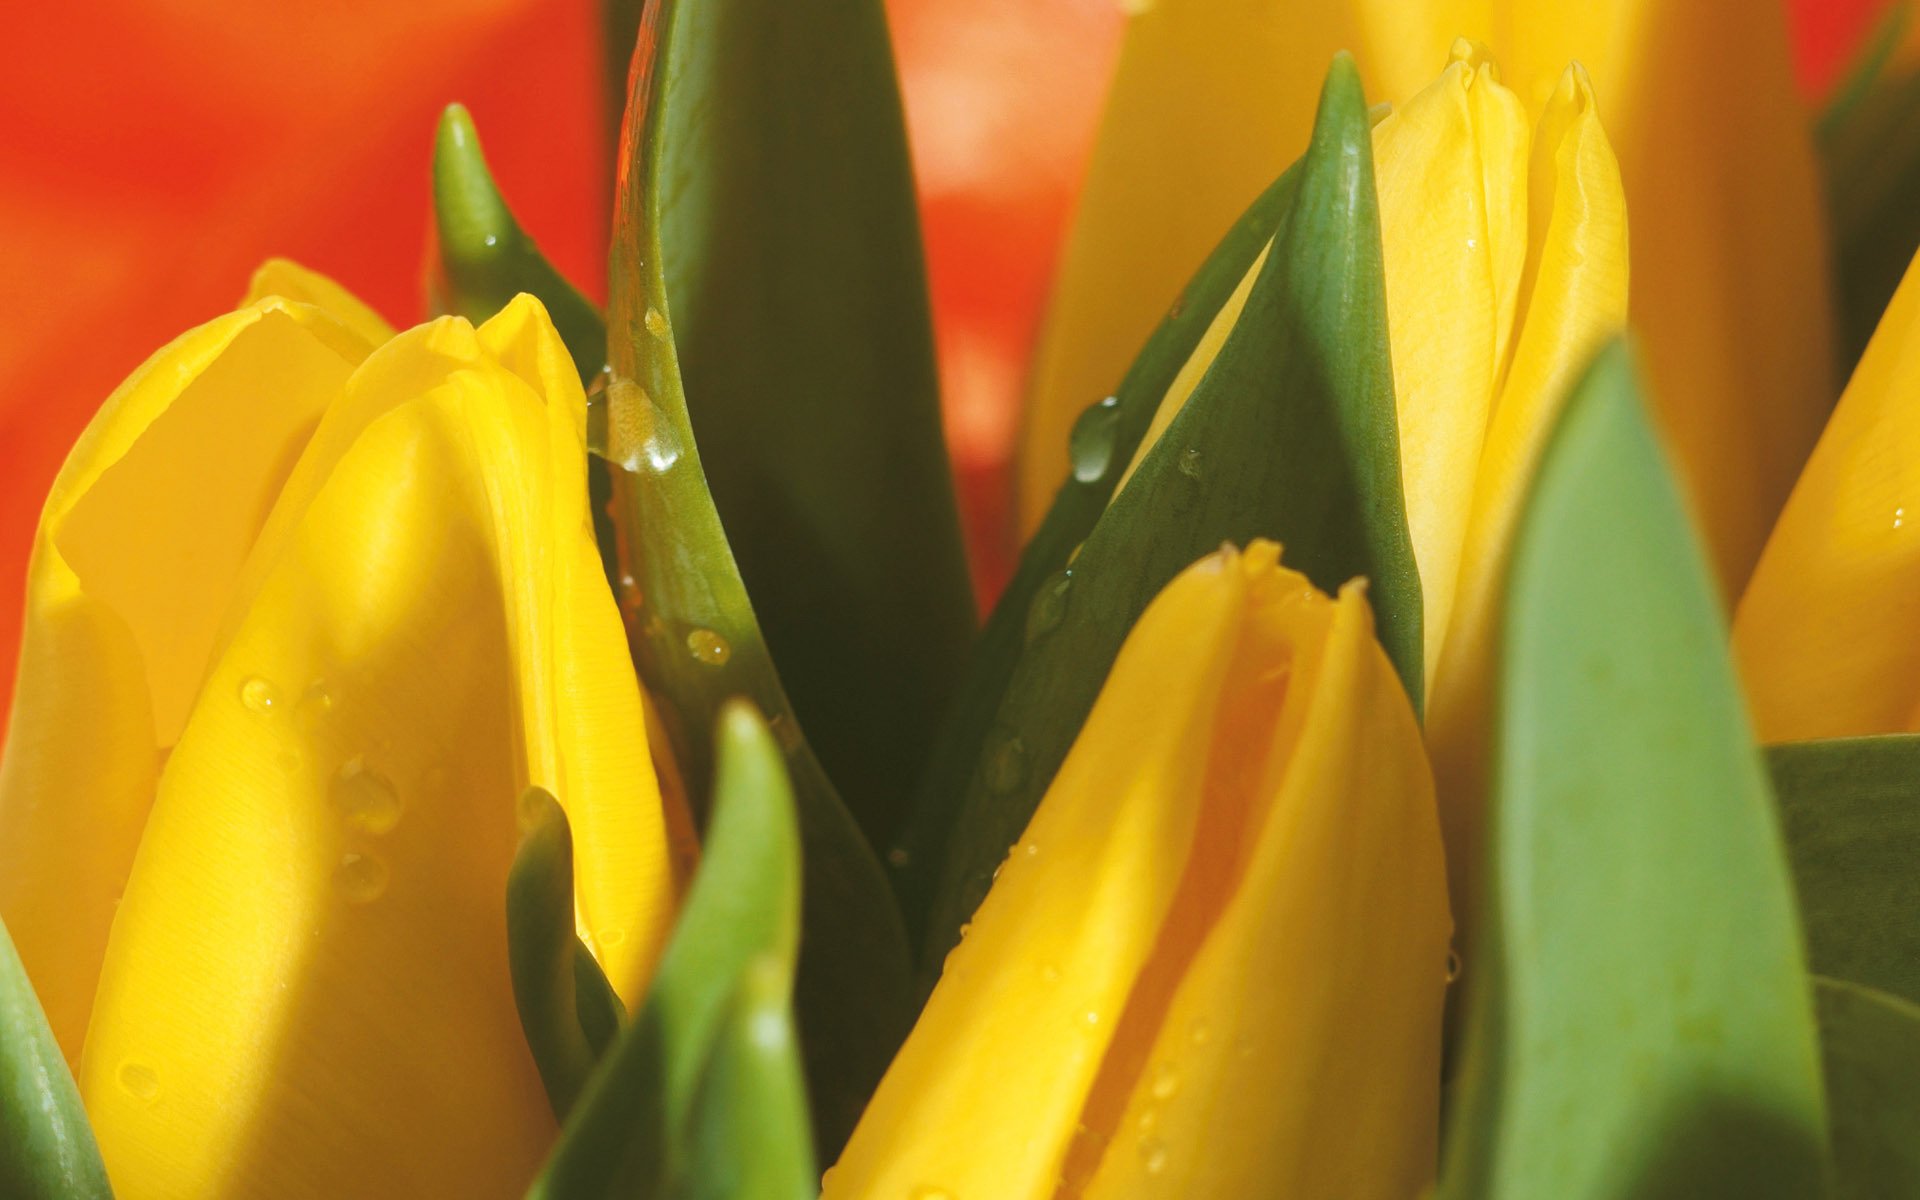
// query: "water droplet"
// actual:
[[656, 322], [139, 1080], [610, 938], [360, 878], [709, 647], [1166, 1081], [1093, 1018], [1153, 1155], [1148, 1121], [1454, 965], [1050, 973], [257, 694], [1202, 1033], [1049, 606], [1899, 517], [1189, 463], [1007, 765], [898, 857], [1090, 445], [367, 800], [965, 928], [638, 432], [1179, 306], [929, 1191], [314, 704], [1033, 849]]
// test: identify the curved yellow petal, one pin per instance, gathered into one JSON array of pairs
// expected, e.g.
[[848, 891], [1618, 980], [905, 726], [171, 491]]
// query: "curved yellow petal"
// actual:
[[144, 531], [286, 278], [306, 989], [1324, 1079], [1213, 97], [1450, 165], [1574, 298], [1825, 633], [1185, 841]]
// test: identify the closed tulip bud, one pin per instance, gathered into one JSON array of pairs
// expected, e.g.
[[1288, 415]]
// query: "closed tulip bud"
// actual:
[[311, 606], [1214, 964]]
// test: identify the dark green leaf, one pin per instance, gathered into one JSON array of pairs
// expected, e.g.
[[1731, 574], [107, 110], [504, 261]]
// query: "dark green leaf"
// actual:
[[750, 1138], [920, 850], [798, 306], [46, 1146], [1871, 1046], [567, 1008], [698, 643], [1638, 1022], [485, 259], [631, 1133], [1851, 811], [1291, 435]]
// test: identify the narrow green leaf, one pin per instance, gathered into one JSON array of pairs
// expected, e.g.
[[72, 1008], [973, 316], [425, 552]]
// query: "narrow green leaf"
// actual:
[[1638, 1022], [1871, 1047], [631, 1132], [750, 1139], [1291, 435], [484, 259], [46, 1146], [918, 853], [798, 305], [698, 642], [567, 1008], [1851, 811]]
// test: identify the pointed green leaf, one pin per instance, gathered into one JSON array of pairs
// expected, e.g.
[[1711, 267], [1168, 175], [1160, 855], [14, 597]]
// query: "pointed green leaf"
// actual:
[[917, 854], [1291, 435], [798, 306], [1638, 1018], [1851, 811], [750, 1136], [46, 1146], [567, 1008], [630, 1135], [698, 643], [1870, 1044]]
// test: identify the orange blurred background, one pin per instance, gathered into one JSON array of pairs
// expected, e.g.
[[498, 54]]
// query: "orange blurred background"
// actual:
[[155, 151]]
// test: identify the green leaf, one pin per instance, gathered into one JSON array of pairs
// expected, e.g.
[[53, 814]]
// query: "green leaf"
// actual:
[[919, 852], [798, 307], [750, 1138], [698, 643], [567, 1008], [483, 257], [46, 1146], [1291, 435], [631, 1131], [1851, 811], [1638, 1021], [1871, 1047]]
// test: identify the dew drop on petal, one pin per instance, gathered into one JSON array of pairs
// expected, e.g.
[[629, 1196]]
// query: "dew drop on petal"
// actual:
[[709, 647], [257, 694], [360, 878], [1166, 1081], [1153, 1155], [1090, 444], [139, 1080], [366, 799]]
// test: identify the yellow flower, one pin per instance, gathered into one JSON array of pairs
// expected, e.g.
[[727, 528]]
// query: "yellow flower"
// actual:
[[1247, 802], [1825, 633], [310, 606], [1213, 98], [1505, 246]]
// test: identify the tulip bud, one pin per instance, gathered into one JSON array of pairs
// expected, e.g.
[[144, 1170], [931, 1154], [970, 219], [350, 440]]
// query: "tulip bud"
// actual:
[[1247, 801]]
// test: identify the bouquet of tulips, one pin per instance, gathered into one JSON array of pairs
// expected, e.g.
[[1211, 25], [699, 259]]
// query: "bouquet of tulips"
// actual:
[[1448, 733]]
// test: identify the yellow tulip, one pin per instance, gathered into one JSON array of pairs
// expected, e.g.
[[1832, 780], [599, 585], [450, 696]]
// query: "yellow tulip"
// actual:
[[1825, 633], [310, 606], [1505, 247], [1248, 801], [1212, 98]]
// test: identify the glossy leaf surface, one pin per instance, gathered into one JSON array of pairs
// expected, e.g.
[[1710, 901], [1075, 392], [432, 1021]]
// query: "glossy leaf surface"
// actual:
[[1638, 1017]]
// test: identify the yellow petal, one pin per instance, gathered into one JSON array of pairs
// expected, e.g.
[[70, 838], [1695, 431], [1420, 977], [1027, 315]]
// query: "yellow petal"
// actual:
[[1166, 856], [1213, 97], [1451, 166], [1575, 296], [1322, 1079], [306, 990], [1825, 633], [285, 278], [142, 535]]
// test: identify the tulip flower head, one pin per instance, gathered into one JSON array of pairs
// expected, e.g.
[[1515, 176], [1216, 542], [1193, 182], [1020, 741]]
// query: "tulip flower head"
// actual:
[[1247, 801]]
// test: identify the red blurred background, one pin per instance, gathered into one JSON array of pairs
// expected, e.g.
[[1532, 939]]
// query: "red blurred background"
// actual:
[[155, 151]]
